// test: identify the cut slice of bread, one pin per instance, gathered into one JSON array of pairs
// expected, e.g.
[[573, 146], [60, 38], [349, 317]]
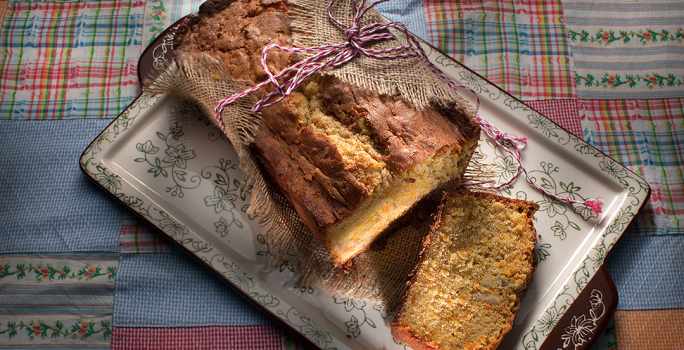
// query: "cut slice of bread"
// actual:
[[476, 264]]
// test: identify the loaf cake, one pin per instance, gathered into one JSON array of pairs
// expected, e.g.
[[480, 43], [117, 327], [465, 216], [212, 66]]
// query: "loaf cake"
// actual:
[[476, 264], [349, 160]]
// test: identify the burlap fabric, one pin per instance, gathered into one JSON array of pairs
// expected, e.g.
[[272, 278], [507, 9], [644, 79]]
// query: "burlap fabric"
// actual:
[[380, 274], [410, 77]]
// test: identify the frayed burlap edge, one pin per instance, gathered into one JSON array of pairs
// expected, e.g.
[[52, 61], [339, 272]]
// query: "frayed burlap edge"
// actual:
[[379, 274], [204, 80]]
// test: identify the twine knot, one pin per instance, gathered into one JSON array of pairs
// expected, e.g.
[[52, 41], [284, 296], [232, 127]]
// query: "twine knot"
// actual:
[[353, 33]]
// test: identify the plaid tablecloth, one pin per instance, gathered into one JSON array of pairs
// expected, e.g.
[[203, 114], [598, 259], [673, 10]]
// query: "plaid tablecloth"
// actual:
[[77, 269]]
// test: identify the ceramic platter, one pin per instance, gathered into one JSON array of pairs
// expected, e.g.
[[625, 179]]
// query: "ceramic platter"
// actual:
[[164, 160]]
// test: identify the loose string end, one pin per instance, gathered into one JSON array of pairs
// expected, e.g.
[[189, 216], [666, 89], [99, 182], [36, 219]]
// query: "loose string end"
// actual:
[[518, 142], [595, 204]]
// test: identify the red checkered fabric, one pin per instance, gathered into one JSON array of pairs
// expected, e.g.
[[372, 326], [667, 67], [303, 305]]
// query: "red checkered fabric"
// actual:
[[201, 338], [562, 112], [650, 329]]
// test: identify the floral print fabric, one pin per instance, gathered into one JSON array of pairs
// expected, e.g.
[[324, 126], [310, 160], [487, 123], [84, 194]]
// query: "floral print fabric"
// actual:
[[61, 299], [627, 49]]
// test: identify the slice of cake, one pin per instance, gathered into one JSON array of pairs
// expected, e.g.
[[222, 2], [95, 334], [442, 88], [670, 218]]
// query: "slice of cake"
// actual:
[[349, 161], [476, 264]]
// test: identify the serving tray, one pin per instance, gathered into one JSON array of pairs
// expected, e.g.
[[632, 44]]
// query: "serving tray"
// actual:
[[164, 160]]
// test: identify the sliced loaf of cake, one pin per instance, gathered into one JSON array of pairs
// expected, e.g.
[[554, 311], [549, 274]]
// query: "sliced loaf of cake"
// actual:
[[349, 161], [476, 264]]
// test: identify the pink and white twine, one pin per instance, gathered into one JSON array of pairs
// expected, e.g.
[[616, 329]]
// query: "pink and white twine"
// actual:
[[356, 37]]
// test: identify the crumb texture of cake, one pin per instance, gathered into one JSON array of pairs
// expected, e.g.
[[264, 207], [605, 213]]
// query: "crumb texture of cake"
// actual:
[[476, 264], [349, 161]]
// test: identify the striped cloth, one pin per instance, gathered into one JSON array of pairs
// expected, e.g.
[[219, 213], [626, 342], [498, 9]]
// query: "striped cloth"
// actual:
[[627, 49], [647, 137], [65, 60], [519, 46], [159, 15], [60, 301], [3, 7]]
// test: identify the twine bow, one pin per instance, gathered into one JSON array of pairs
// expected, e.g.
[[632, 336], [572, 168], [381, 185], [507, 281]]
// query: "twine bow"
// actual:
[[356, 37]]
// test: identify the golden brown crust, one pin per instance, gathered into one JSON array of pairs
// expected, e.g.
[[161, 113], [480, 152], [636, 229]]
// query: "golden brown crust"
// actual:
[[410, 135], [325, 165], [406, 333], [406, 336], [302, 163], [236, 31], [308, 168]]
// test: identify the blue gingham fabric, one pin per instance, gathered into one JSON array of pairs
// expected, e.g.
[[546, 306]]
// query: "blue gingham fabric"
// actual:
[[647, 271], [173, 290], [46, 203], [409, 12]]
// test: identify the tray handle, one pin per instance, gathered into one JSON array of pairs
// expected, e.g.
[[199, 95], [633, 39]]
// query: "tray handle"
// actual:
[[587, 317], [158, 55]]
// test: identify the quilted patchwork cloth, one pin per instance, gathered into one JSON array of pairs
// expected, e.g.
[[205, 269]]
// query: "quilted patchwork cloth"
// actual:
[[139, 237], [652, 329], [609, 71], [46, 204], [647, 137], [647, 272], [173, 290]]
